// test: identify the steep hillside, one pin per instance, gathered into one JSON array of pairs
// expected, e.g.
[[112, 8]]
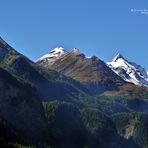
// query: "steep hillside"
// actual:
[[133, 126], [48, 85], [71, 127], [21, 109], [84, 103]]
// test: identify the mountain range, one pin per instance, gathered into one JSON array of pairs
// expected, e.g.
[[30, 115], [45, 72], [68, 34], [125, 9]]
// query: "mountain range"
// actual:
[[66, 100], [128, 71]]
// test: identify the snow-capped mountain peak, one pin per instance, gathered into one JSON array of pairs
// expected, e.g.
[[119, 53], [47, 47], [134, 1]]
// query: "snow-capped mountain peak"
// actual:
[[129, 71], [52, 56], [118, 56], [58, 50]]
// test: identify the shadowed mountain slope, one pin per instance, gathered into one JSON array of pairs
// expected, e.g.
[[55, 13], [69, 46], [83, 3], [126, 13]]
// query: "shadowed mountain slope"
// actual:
[[50, 85]]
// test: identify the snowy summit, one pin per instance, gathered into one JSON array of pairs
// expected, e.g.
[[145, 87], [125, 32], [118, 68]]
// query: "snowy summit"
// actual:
[[129, 71], [52, 56]]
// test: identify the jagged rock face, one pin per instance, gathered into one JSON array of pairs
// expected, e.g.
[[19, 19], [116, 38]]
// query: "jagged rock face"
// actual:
[[90, 71], [129, 129], [129, 71]]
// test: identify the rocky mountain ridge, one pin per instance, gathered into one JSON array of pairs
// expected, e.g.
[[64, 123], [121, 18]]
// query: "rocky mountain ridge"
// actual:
[[128, 71]]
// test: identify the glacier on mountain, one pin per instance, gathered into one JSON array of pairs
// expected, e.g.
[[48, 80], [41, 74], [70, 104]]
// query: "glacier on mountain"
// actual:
[[129, 71]]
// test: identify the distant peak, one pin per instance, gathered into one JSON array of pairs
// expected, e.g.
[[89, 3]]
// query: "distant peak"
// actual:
[[58, 49], [76, 50], [52, 56], [118, 56]]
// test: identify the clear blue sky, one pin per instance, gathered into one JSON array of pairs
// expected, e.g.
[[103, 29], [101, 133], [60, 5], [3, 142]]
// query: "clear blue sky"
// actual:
[[97, 27]]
